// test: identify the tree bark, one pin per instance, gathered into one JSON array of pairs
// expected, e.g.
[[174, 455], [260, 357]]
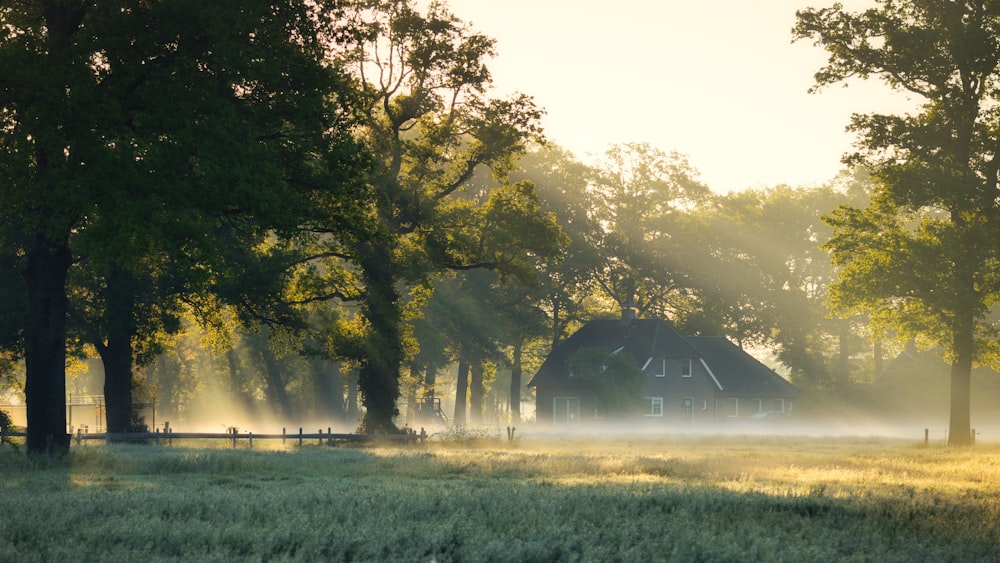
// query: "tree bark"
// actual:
[[45, 267], [275, 382], [844, 357], [960, 423], [516, 370], [476, 393], [461, 390], [353, 413], [378, 378], [117, 353]]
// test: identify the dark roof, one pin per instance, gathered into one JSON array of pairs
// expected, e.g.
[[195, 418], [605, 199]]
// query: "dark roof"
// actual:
[[640, 338], [737, 372]]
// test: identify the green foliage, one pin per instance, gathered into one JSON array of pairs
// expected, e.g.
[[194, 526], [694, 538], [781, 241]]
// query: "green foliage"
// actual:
[[614, 379], [637, 196], [428, 122], [931, 262], [6, 425]]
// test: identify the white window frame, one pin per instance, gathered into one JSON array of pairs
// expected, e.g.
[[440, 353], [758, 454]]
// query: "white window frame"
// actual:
[[662, 368], [655, 407], [687, 369], [733, 408]]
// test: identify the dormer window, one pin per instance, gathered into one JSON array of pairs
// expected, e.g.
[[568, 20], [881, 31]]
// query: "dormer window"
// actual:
[[686, 368]]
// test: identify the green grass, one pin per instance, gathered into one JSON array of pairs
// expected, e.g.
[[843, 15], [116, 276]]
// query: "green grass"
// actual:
[[678, 498]]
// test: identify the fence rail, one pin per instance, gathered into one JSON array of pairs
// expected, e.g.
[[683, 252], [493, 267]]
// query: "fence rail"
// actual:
[[234, 437]]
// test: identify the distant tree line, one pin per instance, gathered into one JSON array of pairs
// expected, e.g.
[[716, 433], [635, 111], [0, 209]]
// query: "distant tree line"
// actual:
[[319, 207]]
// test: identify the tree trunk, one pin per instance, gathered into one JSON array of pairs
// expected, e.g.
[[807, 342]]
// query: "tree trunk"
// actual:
[[233, 363], [430, 381], [117, 353], [329, 389], [276, 383], [476, 393], [960, 423], [844, 359], [416, 382], [877, 362], [516, 369], [353, 414], [378, 379], [45, 267], [461, 389]]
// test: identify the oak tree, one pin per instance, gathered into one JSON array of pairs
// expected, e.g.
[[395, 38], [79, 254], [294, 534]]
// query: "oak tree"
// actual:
[[924, 255]]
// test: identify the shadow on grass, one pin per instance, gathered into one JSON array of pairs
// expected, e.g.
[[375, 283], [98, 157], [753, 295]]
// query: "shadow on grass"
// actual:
[[502, 503]]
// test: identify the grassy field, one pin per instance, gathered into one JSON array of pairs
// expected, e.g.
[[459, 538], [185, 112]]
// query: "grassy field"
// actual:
[[643, 499]]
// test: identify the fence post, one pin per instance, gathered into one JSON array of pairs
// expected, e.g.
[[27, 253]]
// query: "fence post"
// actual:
[[250, 435], [157, 430], [282, 435], [973, 430], [927, 435], [79, 436], [321, 436], [300, 435]]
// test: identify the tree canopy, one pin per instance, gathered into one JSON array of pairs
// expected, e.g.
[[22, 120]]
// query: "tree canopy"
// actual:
[[924, 254]]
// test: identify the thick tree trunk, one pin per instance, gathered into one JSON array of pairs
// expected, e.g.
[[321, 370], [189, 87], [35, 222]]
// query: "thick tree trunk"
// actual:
[[960, 423], [378, 379], [516, 370], [117, 354], [276, 383], [461, 390], [45, 268], [476, 393]]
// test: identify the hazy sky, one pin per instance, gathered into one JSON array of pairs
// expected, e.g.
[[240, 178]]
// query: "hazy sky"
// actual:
[[717, 80]]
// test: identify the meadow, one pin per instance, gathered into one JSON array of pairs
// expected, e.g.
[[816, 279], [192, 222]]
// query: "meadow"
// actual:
[[674, 498]]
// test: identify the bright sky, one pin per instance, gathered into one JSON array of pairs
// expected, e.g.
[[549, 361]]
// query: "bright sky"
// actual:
[[717, 80]]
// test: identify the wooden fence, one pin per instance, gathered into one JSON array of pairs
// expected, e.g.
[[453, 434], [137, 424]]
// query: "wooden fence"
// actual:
[[233, 436]]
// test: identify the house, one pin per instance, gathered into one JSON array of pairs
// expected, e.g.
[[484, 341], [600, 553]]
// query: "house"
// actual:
[[694, 380]]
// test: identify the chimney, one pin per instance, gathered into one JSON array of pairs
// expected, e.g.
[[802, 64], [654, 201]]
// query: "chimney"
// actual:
[[629, 312]]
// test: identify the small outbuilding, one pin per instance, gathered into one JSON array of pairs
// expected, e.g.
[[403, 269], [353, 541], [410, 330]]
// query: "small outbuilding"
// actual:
[[684, 380]]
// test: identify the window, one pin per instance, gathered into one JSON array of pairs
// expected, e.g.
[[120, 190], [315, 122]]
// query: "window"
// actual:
[[734, 407], [759, 404], [654, 406], [686, 368], [779, 405], [661, 368], [566, 410], [688, 409]]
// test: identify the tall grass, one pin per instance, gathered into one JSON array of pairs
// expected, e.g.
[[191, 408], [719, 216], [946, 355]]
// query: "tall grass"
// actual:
[[684, 499]]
